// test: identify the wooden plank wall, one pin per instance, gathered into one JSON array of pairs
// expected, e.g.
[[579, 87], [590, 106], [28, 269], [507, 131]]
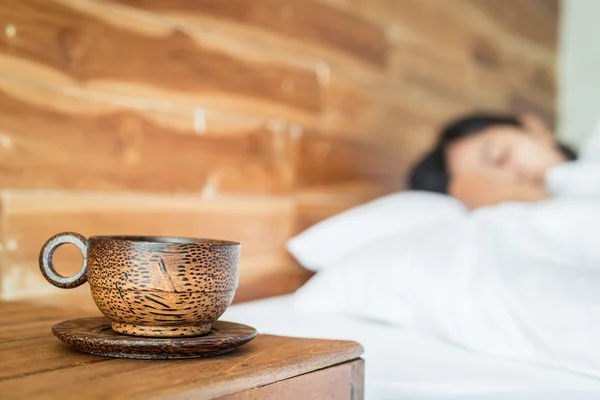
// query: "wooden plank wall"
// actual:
[[241, 119]]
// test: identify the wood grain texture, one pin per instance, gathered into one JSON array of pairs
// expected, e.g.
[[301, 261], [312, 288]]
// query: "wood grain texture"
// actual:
[[151, 286], [324, 160], [31, 218], [534, 20], [36, 313], [297, 20], [42, 367], [122, 150], [341, 382], [282, 280], [268, 115], [86, 48], [94, 335]]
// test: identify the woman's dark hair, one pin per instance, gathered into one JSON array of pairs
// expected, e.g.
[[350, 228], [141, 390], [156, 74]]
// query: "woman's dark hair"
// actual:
[[431, 173]]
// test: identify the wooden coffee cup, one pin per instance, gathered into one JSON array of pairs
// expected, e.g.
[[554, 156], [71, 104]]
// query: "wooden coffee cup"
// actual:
[[151, 285]]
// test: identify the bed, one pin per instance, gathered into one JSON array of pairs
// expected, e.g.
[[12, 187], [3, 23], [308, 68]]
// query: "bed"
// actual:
[[406, 364]]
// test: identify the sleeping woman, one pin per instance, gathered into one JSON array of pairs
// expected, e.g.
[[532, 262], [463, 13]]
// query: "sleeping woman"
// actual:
[[518, 280], [487, 159]]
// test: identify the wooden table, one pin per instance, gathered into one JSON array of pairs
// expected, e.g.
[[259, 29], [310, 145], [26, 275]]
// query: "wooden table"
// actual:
[[36, 365]]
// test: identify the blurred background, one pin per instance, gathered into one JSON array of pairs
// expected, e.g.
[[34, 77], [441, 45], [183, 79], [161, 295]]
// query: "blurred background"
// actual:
[[251, 120]]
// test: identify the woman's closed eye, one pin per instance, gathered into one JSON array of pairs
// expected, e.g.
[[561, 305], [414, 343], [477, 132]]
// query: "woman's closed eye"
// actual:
[[501, 158], [496, 155]]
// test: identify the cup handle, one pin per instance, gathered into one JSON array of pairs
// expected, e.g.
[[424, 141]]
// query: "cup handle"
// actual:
[[47, 267]]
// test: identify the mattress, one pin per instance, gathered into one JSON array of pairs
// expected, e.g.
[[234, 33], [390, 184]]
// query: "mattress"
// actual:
[[406, 364]]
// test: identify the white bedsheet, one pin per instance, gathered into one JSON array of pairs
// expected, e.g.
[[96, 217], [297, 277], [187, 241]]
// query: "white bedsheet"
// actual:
[[404, 364]]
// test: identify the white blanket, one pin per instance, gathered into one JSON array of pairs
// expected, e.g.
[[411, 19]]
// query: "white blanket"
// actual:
[[518, 280]]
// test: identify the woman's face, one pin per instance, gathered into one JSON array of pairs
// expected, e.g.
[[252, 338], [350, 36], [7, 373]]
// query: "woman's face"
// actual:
[[506, 152]]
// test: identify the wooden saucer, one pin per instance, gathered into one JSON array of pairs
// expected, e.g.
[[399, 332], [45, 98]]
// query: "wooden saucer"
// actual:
[[95, 336]]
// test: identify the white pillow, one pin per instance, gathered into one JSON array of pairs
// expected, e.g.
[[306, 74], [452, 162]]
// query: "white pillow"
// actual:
[[374, 281], [335, 237]]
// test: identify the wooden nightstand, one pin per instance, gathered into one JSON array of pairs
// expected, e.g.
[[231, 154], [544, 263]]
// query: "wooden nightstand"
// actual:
[[35, 364]]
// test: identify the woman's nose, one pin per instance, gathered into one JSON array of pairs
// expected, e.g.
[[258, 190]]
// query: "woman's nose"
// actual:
[[526, 175]]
